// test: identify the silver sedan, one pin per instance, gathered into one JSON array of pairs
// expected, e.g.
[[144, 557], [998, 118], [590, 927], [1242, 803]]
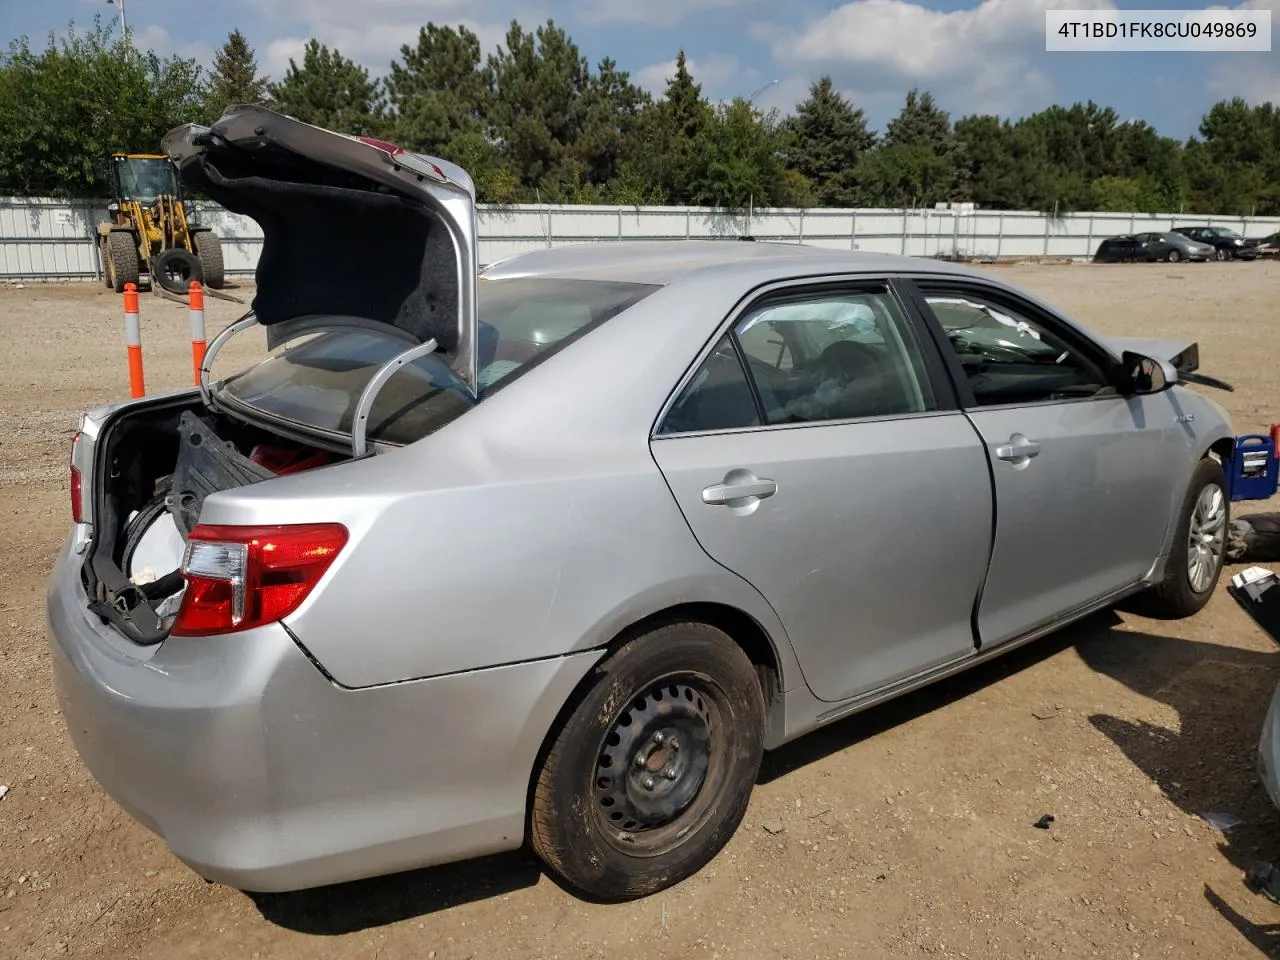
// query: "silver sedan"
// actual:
[[549, 553]]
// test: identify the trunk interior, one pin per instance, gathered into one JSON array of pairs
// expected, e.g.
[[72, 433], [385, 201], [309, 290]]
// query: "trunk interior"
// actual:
[[153, 469]]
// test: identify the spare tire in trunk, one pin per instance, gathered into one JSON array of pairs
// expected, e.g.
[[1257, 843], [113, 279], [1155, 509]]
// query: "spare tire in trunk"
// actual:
[[175, 268]]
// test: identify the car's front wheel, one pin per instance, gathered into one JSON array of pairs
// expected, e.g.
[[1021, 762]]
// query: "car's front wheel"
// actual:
[[1199, 547], [649, 776], [1175, 255]]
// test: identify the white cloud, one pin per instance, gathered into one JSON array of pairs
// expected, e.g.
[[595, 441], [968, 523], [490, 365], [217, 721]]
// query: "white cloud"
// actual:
[[985, 55], [161, 41], [922, 43], [655, 13], [371, 32], [714, 73]]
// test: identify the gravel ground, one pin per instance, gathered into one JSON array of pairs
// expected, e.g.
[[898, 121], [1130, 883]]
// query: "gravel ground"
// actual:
[[905, 831]]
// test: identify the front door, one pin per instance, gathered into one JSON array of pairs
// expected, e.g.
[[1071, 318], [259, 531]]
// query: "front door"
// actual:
[[840, 480], [1083, 476]]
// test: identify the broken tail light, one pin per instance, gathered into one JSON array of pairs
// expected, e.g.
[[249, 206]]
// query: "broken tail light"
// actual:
[[240, 577]]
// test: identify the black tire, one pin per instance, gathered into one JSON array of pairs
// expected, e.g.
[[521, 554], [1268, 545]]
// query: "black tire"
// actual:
[[1174, 256], [122, 255], [209, 250], [102, 262], [679, 710], [1175, 597], [1222, 253], [174, 269]]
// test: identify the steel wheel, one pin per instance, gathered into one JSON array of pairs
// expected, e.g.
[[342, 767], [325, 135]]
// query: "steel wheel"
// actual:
[[1206, 538], [653, 763], [649, 775]]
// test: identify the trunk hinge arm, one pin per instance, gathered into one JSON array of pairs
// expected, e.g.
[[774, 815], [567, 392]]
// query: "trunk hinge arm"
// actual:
[[216, 344], [360, 418]]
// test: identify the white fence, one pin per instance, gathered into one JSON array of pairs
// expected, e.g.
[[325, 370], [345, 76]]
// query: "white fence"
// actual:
[[52, 240]]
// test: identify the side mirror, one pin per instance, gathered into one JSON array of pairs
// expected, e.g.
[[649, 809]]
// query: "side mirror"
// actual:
[[1146, 375]]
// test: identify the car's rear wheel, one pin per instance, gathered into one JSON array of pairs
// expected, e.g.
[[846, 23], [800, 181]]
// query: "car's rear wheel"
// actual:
[[649, 776], [1199, 548]]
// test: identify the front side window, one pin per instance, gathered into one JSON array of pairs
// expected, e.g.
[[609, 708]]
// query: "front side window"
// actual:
[[316, 380], [1009, 357]]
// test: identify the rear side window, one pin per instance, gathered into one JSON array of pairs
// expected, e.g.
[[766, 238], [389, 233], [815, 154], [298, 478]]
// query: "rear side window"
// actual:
[[315, 381], [809, 359], [718, 396]]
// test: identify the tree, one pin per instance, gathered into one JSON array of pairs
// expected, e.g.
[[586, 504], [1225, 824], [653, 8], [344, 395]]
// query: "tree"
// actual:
[[234, 78], [916, 163], [86, 95], [737, 162], [441, 95], [1005, 165], [441, 90], [829, 137], [609, 116], [670, 131], [330, 91], [539, 79]]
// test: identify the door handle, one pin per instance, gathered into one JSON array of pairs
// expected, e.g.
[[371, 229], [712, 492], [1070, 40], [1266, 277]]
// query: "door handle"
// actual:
[[732, 490], [1018, 448]]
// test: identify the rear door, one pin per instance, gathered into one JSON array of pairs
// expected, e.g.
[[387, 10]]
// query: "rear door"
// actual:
[[1083, 476], [817, 451]]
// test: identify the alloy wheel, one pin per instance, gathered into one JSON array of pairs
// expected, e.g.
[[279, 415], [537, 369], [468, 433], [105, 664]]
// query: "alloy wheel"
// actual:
[[1206, 538]]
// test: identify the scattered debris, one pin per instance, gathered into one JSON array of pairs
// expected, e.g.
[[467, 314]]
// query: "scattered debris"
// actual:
[[1264, 878], [1221, 821], [3, 791], [1044, 713], [773, 827], [1043, 822], [815, 816]]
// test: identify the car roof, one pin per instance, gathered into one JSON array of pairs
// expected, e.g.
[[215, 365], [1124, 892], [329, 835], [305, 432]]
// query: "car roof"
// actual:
[[663, 262]]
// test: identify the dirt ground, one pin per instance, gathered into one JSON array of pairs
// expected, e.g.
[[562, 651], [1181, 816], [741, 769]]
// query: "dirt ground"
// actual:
[[905, 832]]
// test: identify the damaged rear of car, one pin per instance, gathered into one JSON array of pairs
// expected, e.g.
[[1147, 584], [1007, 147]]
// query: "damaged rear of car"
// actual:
[[209, 522], [368, 266]]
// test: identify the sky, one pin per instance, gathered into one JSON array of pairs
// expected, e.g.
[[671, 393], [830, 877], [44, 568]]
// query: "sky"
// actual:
[[975, 56]]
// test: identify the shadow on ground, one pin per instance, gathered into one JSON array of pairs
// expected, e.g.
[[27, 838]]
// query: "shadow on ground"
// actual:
[[1209, 765], [363, 904], [1220, 694]]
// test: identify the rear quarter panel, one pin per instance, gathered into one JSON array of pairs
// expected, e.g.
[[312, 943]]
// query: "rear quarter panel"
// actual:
[[536, 525]]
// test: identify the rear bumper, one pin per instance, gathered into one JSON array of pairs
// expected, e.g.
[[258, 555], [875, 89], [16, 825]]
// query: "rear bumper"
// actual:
[[260, 773]]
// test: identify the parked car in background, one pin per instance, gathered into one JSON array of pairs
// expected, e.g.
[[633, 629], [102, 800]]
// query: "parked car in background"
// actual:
[[1228, 244], [1122, 249], [1152, 246], [1268, 246], [552, 554]]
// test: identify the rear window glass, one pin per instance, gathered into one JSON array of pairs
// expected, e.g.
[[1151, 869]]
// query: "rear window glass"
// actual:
[[316, 380]]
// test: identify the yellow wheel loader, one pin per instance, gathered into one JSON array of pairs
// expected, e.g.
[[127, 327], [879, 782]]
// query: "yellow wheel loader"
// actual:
[[147, 232]]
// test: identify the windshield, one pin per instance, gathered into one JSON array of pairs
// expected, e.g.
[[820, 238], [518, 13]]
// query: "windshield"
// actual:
[[1224, 232], [316, 380], [146, 179]]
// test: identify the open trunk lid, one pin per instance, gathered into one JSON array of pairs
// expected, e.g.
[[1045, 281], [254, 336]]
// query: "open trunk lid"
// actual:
[[351, 227]]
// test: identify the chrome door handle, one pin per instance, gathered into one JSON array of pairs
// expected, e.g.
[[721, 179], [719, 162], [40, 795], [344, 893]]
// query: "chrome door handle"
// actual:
[[1018, 448], [730, 491]]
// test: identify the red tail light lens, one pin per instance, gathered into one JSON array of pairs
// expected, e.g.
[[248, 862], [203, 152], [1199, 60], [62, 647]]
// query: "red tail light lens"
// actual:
[[243, 577], [77, 509]]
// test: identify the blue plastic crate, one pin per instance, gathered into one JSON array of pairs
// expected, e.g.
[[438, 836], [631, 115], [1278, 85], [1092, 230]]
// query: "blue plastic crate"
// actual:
[[1253, 474]]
